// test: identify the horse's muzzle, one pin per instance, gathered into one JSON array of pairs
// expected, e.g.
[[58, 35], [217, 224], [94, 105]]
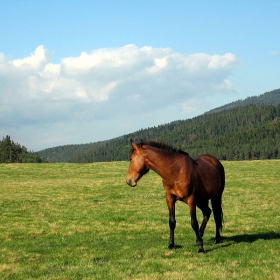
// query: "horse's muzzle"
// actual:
[[131, 182]]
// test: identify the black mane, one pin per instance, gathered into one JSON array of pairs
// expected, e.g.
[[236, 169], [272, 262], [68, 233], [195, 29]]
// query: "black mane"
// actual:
[[161, 146]]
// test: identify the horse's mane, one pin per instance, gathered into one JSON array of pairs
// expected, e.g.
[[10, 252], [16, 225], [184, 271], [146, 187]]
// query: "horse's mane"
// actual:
[[161, 146]]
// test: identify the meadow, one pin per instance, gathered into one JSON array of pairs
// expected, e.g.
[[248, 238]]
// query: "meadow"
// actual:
[[81, 221]]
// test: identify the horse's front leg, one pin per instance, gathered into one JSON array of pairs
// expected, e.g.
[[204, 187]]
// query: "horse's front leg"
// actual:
[[194, 224], [171, 200]]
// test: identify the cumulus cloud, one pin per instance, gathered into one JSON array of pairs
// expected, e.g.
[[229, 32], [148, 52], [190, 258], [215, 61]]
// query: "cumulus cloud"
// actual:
[[108, 84]]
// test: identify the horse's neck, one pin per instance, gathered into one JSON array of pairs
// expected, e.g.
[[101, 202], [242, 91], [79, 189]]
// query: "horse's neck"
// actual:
[[163, 164]]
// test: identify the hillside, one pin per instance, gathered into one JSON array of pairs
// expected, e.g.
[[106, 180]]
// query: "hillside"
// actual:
[[270, 98], [67, 152], [248, 129]]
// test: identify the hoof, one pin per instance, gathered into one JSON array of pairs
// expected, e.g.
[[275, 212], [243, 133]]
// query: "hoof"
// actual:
[[219, 240], [201, 250], [171, 246]]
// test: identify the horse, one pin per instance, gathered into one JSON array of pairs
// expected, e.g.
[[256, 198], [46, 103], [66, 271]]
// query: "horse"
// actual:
[[193, 181]]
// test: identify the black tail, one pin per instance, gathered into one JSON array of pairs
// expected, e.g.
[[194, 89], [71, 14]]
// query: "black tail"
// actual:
[[217, 211], [216, 202]]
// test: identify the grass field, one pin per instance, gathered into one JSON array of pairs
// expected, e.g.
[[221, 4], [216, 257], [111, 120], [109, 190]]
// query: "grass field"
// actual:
[[81, 221]]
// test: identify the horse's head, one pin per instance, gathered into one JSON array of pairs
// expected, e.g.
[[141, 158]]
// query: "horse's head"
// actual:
[[137, 167]]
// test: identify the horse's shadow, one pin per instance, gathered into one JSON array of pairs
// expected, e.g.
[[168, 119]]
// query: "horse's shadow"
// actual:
[[234, 239], [247, 238], [250, 238]]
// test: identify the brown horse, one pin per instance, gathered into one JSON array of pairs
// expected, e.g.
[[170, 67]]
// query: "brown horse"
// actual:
[[193, 181]]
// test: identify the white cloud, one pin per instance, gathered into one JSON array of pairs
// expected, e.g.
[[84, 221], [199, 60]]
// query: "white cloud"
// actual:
[[34, 61], [111, 86], [225, 61]]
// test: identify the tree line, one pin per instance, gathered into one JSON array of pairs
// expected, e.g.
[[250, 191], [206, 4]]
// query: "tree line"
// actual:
[[11, 152]]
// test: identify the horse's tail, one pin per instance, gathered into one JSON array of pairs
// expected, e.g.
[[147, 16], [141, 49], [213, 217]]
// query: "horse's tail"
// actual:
[[218, 211], [216, 201]]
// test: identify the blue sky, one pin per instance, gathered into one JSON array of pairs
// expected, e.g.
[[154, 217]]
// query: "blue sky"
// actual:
[[75, 72]]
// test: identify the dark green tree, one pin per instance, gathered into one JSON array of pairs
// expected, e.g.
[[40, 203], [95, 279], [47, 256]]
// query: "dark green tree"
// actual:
[[11, 152]]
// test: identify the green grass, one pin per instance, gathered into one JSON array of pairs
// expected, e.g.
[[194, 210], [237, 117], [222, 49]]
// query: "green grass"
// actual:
[[81, 221]]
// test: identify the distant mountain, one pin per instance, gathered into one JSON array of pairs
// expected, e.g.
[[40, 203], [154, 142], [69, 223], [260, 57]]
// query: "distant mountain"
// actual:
[[270, 98], [245, 129], [66, 152]]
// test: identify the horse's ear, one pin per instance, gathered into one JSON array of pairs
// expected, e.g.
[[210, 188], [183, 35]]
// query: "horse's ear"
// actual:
[[133, 144]]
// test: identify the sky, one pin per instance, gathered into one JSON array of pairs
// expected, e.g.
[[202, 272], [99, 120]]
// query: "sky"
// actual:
[[74, 72]]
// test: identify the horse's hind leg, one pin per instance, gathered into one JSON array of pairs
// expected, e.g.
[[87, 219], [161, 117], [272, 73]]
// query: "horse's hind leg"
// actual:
[[206, 215], [218, 215]]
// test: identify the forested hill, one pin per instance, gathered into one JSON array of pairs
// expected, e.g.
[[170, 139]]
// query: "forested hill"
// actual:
[[67, 152], [271, 98], [236, 132]]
